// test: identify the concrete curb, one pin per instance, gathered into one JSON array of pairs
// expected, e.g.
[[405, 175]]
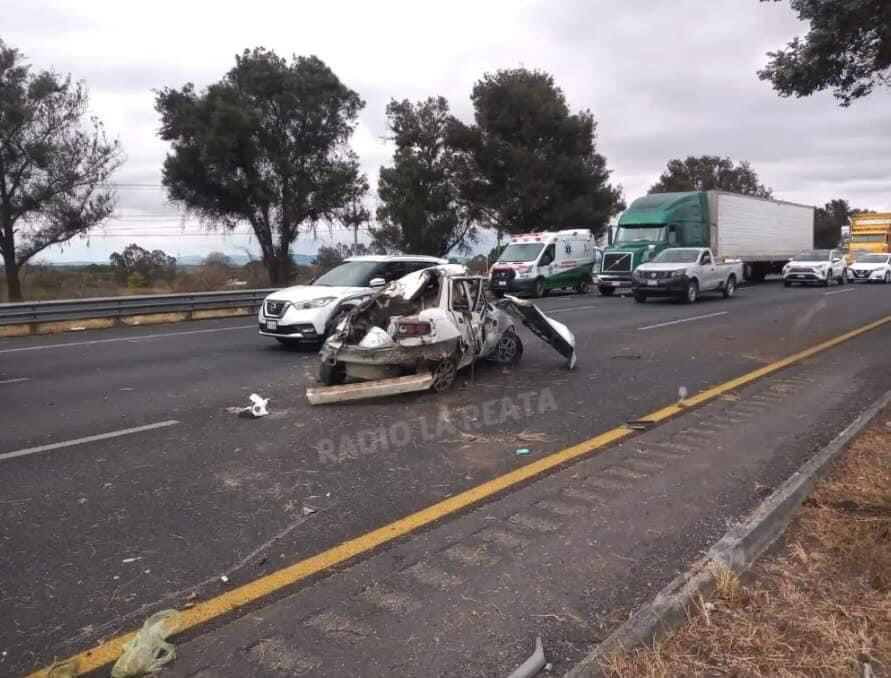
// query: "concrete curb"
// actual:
[[737, 550]]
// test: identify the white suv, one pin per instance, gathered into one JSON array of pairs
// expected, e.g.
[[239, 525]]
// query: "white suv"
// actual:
[[311, 312], [816, 266]]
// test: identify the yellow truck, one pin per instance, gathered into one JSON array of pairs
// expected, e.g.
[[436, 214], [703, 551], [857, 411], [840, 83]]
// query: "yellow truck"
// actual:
[[870, 234]]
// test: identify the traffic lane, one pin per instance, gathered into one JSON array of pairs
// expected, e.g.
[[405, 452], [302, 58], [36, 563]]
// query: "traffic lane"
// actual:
[[195, 501], [85, 389], [99, 384]]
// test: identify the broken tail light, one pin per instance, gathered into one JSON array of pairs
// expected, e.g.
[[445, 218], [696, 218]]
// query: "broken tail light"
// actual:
[[412, 329]]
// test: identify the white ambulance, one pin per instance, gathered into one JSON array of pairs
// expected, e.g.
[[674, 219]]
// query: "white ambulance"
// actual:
[[536, 263]]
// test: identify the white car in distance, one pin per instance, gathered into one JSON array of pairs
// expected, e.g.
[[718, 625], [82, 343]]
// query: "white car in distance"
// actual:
[[309, 313], [816, 266], [871, 268]]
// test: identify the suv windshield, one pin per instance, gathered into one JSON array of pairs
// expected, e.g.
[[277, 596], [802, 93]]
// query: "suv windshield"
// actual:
[[814, 255], [872, 259], [640, 233], [521, 252], [676, 257], [349, 274]]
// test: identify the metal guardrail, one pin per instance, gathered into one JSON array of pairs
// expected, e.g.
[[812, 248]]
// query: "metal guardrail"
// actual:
[[119, 307]]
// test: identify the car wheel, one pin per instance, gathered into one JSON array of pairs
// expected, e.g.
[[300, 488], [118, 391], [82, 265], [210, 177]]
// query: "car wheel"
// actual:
[[509, 349], [606, 291], [444, 372], [539, 289], [729, 287], [583, 287], [828, 281], [331, 375], [887, 278], [692, 293], [844, 277], [640, 298]]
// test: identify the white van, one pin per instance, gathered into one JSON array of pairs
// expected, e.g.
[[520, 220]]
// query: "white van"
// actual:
[[536, 263]]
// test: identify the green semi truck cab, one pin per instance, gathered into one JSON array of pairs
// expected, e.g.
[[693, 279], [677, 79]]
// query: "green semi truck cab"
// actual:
[[649, 225]]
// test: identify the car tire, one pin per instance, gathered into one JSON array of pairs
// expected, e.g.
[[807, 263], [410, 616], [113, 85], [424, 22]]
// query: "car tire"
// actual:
[[444, 372], [539, 290], [887, 278], [583, 287], [509, 349], [606, 291], [828, 281], [729, 288], [844, 277], [692, 292], [332, 375], [640, 298]]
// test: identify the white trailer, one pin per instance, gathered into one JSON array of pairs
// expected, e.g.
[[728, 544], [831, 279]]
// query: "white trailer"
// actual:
[[763, 234]]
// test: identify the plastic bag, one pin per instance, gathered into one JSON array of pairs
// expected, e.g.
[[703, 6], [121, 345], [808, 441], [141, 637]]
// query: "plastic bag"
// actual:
[[64, 670], [148, 652]]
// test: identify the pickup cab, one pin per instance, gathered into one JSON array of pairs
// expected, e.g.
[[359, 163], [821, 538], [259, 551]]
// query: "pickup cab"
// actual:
[[685, 273]]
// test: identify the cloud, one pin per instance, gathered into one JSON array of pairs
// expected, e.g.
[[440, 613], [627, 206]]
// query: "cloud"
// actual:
[[663, 80]]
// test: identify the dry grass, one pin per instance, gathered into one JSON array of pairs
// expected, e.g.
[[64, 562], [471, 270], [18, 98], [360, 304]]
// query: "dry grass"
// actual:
[[820, 608]]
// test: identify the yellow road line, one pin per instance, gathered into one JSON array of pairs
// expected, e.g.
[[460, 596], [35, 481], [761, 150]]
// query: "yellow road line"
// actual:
[[109, 651]]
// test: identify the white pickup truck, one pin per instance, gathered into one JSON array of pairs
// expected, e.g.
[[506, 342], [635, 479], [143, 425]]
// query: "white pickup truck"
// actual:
[[685, 272]]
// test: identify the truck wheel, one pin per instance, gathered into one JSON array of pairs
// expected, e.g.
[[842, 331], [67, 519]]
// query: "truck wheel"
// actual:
[[640, 298], [692, 293], [539, 290], [583, 287], [331, 375], [606, 291], [729, 287]]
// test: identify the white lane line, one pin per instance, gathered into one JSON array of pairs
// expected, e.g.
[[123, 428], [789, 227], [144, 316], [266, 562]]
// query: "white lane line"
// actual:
[[88, 439], [827, 294], [138, 338], [566, 310], [683, 320], [14, 381]]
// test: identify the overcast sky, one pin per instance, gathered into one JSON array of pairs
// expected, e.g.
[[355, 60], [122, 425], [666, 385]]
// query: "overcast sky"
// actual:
[[663, 79]]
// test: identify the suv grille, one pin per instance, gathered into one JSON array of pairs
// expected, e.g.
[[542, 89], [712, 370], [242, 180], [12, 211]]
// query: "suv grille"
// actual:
[[275, 308], [503, 274], [617, 262]]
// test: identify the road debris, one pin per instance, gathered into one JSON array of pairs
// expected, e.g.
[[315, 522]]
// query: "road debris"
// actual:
[[66, 669], [257, 408], [532, 665], [148, 651], [308, 510], [522, 451], [131, 560], [224, 579]]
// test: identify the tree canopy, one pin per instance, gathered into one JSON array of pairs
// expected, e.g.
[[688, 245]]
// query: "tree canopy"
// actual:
[[150, 266], [421, 210], [55, 162], [266, 145], [847, 50], [528, 163], [829, 220], [710, 173]]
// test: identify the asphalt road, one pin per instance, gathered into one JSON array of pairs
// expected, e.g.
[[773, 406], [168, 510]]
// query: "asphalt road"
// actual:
[[94, 535]]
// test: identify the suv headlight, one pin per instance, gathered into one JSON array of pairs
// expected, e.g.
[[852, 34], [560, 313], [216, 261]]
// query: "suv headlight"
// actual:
[[677, 274], [318, 303]]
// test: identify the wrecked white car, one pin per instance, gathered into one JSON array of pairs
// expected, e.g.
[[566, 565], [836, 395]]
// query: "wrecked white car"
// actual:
[[416, 333]]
